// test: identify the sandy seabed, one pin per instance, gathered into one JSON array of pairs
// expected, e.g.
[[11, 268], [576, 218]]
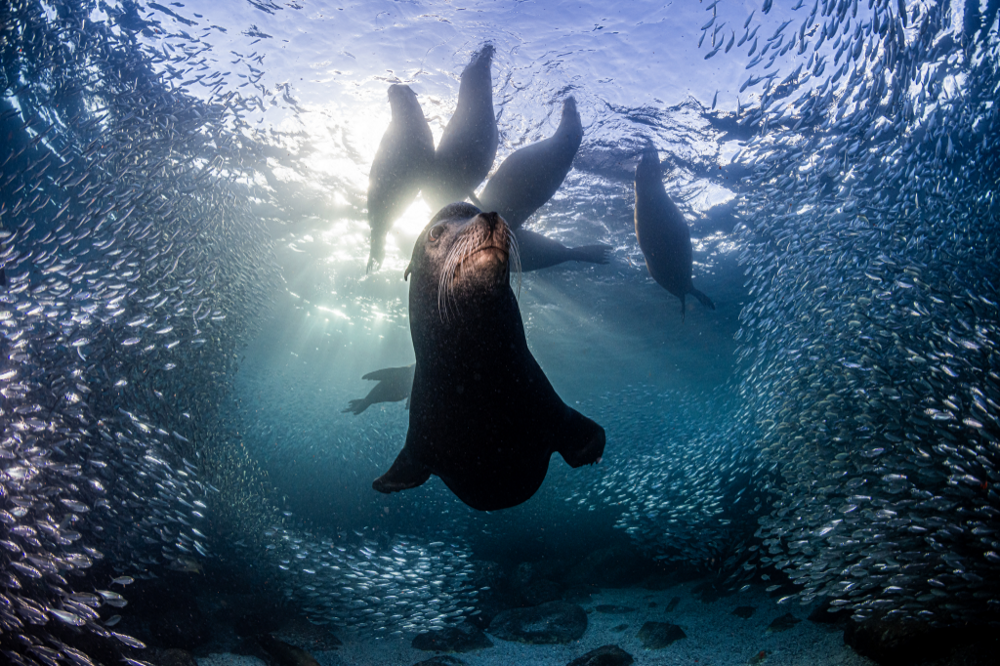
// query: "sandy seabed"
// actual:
[[715, 637]]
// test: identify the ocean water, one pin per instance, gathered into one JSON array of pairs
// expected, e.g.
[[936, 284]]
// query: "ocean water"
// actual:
[[186, 314]]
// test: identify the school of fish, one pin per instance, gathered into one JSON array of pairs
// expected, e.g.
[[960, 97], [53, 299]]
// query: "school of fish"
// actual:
[[855, 449]]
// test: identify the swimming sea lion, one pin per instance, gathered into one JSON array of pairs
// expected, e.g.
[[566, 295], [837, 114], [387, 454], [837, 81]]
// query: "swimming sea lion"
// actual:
[[404, 158], [537, 251], [531, 175], [393, 385], [468, 145], [483, 415], [663, 234]]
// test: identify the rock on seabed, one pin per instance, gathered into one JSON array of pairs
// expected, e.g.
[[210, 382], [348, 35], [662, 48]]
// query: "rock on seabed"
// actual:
[[552, 622]]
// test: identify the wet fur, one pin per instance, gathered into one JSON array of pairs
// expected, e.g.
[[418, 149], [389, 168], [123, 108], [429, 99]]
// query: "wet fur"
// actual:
[[663, 233], [405, 155], [472, 240], [483, 416], [468, 145], [529, 176], [538, 251]]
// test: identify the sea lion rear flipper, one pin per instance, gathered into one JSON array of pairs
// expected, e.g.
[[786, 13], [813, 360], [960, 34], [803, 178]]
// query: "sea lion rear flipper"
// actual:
[[407, 472], [583, 443], [705, 300], [377, 252]]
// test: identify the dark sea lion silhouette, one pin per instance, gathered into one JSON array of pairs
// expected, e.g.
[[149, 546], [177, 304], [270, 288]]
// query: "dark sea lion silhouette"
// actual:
[[468, 145], [664, 237], [537, 251], [483, 415], [403, 160], [531, 175], [394, 384]]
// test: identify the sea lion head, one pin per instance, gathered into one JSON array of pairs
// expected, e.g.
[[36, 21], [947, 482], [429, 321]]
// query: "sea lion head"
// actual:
[[482, 58], [649, 159], [571, 116], [462, 252], [401, 98]]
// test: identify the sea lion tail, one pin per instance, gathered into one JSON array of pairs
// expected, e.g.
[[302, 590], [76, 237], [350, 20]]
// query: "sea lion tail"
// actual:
[[705, 300], [594, 254], [356, 406]]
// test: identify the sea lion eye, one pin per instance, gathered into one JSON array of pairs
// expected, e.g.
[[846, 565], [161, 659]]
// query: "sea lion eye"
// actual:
[[436, 232]]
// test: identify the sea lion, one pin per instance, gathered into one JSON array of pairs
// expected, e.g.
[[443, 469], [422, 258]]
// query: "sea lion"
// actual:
[[468, 145], [537, 251], [404, 157], [483, 415], [531, 175], [663, 234], [393, 385]]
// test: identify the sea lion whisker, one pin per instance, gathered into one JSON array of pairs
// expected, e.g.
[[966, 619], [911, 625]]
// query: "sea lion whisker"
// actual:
[[469, 242], [465, 249], [514, 251], [441, 293], [446, 280], [444, 297], [475, 370]]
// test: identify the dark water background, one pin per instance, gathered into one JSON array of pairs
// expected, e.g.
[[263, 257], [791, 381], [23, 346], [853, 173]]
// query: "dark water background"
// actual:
[[186, 310]]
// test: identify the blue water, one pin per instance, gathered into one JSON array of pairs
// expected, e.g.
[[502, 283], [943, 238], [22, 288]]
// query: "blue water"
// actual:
[[186, 312], [610, 326]]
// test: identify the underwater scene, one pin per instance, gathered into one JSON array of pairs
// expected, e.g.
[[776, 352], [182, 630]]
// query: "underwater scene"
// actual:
[[498, 332]]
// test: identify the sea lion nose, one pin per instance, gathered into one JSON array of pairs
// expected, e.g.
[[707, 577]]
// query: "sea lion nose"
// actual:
[[493, 220]]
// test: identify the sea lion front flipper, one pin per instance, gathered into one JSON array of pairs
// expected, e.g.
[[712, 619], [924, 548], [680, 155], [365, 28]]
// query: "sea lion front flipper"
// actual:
[[594, 254], [404, 373], [583, 442], [407, 472], [357, 406], [705, 300]]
